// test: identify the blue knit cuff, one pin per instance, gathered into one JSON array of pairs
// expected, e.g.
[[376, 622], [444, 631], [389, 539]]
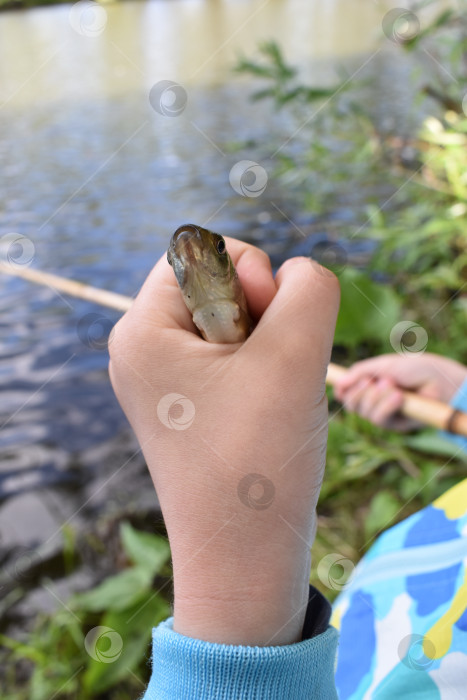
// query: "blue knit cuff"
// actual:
[[183, 667]]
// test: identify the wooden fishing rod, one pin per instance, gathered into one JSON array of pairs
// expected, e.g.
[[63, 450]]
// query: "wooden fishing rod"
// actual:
[[119, 302], [429, 411]]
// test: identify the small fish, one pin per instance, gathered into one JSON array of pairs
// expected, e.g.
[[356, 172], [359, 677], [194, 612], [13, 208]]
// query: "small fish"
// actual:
[[209, 283]]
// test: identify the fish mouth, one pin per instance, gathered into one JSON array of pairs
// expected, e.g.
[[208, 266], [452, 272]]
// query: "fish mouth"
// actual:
[[185, 254], [185, 242]]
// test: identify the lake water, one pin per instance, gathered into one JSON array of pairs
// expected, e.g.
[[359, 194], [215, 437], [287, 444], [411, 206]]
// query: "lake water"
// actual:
[[96, 179]]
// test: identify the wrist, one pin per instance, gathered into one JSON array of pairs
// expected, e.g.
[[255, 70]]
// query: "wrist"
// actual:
[[263, 607]]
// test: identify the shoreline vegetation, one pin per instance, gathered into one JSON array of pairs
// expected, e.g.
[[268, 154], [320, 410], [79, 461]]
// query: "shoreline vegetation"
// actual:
[[374, 477]]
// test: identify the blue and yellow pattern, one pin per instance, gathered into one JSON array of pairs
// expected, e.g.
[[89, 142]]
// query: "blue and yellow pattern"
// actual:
[[403, 617]]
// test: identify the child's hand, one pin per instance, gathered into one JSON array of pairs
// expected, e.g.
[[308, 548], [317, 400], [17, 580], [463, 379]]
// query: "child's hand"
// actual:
[[238, 460], [373, 388]]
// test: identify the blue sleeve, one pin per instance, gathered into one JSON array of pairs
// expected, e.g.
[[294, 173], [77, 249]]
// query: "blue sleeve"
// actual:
[[183, 667], [460, 402]]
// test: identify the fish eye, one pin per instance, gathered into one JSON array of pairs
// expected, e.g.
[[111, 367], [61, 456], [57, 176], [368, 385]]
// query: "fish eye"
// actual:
[[220, 246]]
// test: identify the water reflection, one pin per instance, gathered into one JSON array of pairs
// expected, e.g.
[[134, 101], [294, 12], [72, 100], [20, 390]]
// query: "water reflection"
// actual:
[[42, 58], [98, 180]]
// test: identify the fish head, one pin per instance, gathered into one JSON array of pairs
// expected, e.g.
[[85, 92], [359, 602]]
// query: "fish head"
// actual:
[[201, 264]]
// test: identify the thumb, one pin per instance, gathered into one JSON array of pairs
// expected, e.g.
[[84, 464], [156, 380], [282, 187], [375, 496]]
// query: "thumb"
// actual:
[[302, 315]]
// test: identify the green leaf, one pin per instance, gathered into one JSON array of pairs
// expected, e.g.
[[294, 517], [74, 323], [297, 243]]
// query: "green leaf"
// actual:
[[312, 94], [116, 592], [262, 94], [124, 647], [368, 310], [148, 551], [383, 509], [272, 51], [432, 442]]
